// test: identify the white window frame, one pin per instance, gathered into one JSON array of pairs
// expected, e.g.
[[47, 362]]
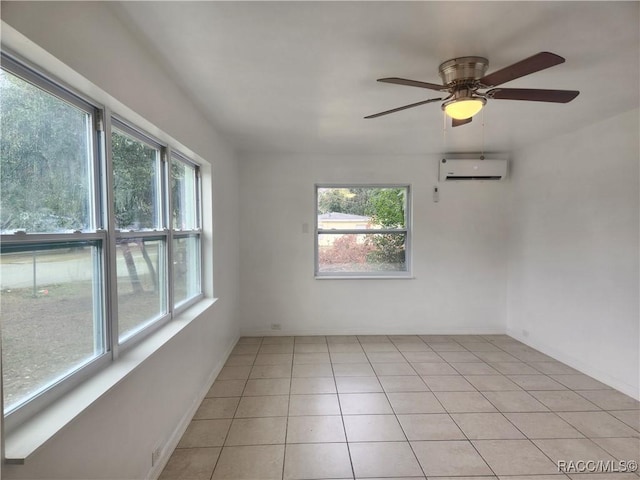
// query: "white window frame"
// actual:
[[104, 232], [160, 233], [97, 233], [365, 275], [196, 232]]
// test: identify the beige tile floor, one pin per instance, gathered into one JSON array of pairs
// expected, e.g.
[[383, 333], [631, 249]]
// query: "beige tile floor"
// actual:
[[355, 407]]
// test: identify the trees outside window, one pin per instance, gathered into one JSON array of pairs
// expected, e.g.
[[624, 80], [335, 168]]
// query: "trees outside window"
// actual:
[[362, 230], [100, 237]]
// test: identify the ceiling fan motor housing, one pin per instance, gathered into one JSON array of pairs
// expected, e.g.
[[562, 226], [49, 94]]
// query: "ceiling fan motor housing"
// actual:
[[463, 70]]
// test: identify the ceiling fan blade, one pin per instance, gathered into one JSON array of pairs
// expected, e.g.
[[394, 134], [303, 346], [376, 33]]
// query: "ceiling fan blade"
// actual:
[[414, 83], [533, 64], [375, 115], [457, 123], [533, 94]]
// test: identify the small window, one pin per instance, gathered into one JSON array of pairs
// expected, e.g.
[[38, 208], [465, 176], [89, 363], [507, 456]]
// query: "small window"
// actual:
[[362, 231], [185, 214], [184, 191]]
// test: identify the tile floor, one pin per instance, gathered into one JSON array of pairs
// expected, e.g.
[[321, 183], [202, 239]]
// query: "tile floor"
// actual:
[[356, 407]]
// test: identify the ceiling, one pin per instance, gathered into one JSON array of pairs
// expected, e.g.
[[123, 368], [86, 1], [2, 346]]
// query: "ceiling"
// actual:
[[300, 76]]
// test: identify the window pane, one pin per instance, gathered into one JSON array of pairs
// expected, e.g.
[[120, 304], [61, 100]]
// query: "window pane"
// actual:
[[184, 196], [45, 167], [361, 208], [136, 181], [186, 268], [362, 253], [51, 312], [141, 286]]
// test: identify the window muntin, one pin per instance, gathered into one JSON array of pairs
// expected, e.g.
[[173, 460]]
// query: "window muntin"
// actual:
[[362, 230], [52, 314], [46, 169]]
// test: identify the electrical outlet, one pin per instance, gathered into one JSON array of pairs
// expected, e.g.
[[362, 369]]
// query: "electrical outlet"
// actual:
[[155, 455], [276, 326]]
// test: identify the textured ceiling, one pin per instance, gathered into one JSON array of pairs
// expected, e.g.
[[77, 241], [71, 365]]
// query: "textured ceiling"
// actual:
[[300, 76]]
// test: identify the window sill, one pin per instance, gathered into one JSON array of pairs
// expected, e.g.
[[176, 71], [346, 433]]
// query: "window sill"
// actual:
[[365, 277], [29, 437]]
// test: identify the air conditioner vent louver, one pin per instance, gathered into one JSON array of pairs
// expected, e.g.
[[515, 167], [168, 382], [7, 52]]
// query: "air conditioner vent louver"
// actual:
[[472, 169]]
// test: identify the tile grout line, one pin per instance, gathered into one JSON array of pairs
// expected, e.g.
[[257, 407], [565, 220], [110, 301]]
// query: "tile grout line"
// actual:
[[461, 430], [286, 422], [518, 355], [395, 414], [344, 428], [237, 406]]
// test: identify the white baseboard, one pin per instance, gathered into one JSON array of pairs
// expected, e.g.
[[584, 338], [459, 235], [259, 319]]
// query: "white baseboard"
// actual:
[[360, 331], [182, 425], [578, 364]]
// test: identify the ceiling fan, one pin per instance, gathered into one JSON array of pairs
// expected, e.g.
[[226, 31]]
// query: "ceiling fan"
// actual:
[[464, 77]]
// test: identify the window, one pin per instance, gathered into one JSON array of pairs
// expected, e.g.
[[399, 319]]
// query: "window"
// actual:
[[51, 253], [185, 214], [362, 231], [100, 238], [141, 242]]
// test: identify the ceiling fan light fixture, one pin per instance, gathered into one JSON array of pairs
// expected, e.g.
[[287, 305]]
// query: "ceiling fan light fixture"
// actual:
[[463, 108]]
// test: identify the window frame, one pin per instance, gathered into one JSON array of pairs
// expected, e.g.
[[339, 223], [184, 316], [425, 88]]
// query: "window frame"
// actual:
[[392, 274], [160, 232], [47, 394], [102, 231], [175, 155]]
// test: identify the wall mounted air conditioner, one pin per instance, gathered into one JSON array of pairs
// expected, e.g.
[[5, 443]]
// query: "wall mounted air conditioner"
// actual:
[[472, 169]]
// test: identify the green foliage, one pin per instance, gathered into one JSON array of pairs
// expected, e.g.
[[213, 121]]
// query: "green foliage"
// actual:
[[344, 200], [388, 251], [135, 169], [385, 207], [44, 167]]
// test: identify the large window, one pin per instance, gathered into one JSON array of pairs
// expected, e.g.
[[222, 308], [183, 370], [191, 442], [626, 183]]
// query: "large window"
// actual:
[[51, 253], [362, 231], [100, 231]]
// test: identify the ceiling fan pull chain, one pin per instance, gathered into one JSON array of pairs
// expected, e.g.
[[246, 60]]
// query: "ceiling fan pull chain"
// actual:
[[482, 117]]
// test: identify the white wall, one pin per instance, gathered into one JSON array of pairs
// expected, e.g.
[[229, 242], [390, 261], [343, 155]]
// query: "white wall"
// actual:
[[114, 438], [458, 251], [573, 250]]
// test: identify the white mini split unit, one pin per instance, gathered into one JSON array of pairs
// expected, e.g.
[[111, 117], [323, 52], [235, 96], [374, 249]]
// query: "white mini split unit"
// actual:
[[472, 169]]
